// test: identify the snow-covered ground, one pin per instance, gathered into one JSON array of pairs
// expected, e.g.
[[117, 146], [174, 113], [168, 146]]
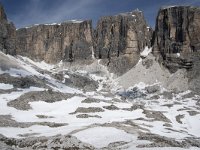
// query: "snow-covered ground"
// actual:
[[5, 86], [101, 118], [96, 136]]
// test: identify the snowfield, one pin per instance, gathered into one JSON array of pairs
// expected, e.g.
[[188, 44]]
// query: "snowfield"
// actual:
[[95, 137], [111, 117]]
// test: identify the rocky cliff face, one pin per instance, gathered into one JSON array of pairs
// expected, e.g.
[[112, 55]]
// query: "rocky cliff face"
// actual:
[[69, 41], [177, 41], [7, 34], [176, 36], [119, 40]]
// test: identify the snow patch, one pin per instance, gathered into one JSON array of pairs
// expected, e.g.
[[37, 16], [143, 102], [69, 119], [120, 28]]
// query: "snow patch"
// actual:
[[43, 65], [100, 137], [51, 24], [146, 52], [167, 7], [74, 21], [5, 86], [16, 72], [178, 54], [141, 85]]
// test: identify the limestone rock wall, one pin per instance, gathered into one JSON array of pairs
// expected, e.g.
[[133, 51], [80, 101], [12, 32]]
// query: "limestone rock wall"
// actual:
[[177, 36], [68, 41], [119, 40]]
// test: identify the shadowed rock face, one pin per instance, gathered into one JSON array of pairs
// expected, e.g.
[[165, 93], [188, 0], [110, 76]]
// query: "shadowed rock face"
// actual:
[[7, 34], [177, 41], [176, 36], [119, 39], [67, 41]]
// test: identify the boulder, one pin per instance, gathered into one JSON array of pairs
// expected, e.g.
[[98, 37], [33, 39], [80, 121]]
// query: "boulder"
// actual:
[[152, 89]]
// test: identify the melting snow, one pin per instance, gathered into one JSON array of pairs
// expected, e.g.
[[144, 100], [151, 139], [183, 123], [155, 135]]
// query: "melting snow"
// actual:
[[5, 86], [102, 136], [16, 72], [82, 128], [43, 65]]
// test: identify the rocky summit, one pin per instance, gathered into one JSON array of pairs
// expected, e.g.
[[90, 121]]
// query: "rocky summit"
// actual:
[[119, 86]]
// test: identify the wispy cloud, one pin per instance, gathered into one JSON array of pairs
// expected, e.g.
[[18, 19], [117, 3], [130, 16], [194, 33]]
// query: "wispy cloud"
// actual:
[[38, 12]]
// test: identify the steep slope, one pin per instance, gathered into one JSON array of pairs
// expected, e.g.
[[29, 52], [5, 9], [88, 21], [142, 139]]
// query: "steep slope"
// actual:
[[148, 71]]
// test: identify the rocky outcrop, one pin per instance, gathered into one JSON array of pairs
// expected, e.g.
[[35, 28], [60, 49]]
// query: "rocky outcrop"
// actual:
[[68, 41], [120, 39], [177, 41], [7, 34], [176, 36], [66, 142]]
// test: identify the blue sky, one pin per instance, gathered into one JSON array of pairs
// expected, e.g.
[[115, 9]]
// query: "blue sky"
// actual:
[[27, 12]]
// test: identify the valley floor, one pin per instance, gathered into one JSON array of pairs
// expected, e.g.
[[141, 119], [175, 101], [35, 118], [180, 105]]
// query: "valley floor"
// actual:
[[43, 108]]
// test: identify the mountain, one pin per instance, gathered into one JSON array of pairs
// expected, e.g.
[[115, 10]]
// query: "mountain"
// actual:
[[117, 41], [119, 86], [176, 41]]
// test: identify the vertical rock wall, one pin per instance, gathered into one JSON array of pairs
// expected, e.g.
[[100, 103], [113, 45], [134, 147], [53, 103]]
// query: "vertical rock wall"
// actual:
[[69, 41], [120, 39], [177, 36], [7, 34]]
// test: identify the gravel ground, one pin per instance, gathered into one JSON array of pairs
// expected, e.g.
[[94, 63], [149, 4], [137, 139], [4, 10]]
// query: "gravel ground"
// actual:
[[153, 74]]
